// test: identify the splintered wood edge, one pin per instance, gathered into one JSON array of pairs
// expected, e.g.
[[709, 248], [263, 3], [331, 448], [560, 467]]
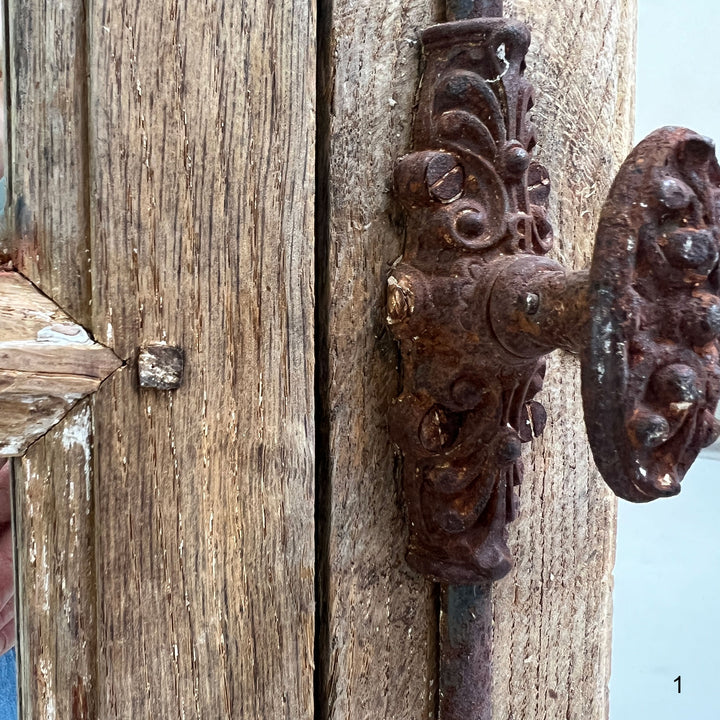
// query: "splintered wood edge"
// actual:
[[47, 363]]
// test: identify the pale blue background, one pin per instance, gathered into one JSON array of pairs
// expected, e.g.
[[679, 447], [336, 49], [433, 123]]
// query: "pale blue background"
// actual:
[[666, 619], [8, 688]]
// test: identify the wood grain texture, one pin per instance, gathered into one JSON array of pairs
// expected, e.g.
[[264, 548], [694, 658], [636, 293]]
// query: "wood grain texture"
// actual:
[[379, 651], [49, 215], [552, 615], [202, 119], [49, 242], [54, 526], [47, 363]]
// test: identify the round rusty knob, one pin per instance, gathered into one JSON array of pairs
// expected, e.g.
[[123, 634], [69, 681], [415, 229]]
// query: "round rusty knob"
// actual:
[[471, 223], [676, 384], [673, 193], [702, 322], [515, 160], [694, 250], [651, 379]]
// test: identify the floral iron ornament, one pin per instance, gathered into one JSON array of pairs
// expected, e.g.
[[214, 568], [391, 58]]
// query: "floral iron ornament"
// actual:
[[476, 306]]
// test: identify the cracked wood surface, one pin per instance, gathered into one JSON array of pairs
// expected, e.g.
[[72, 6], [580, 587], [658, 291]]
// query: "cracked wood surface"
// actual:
[[180, 581]]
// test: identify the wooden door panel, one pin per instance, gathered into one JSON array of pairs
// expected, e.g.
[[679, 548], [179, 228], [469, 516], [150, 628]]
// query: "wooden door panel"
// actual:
[[201, 216], [54, 490], [49, 150], [169, 195], [56, 573], [198, 186]]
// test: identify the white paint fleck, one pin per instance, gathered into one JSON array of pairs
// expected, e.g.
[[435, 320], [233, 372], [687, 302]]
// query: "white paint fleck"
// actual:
[[606, 333], [45, 573], [77, 433], [666, 480], [49, 690], [500, 53], [680, 406], [63, 334]]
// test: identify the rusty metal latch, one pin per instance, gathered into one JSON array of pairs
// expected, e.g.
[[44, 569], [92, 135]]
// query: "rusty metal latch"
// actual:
[[476, 305]]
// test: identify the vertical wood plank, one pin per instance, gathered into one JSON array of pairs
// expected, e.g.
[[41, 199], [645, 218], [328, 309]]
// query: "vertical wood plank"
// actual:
[[202, 116], [49, 150], [54, 524], [49, 243], [4, 135], [379, 650], [552, 614]]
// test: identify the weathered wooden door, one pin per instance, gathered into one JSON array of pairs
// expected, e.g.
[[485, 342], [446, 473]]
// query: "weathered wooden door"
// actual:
[[215, 175]]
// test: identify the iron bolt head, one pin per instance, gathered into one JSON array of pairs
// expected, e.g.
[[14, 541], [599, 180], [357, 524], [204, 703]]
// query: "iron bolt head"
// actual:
[[444, 178], [161, 366]]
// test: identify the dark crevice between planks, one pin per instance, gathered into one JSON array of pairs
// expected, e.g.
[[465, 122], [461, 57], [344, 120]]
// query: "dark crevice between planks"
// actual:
[[323, 495], [7, 150], [90, 706], [84, 68], [6, 256]]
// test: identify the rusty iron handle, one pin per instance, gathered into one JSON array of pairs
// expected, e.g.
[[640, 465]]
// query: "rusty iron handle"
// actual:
[[476, 305]]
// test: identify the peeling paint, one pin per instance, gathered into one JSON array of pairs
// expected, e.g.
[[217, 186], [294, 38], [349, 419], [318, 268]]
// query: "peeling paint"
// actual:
[[78, 433]]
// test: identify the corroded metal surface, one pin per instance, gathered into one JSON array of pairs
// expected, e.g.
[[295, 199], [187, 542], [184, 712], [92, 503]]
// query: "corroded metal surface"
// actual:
[[476, 306], [476, 203], [464, 9], [465, 672], [651, 378], [161, 366]]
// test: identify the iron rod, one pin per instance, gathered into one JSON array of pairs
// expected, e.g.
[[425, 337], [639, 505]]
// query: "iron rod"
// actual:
[[467, 9], [465, 652], [465, 671]]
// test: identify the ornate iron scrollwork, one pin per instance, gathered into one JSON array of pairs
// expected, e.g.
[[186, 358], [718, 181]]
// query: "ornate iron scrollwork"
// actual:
[[476, 307]]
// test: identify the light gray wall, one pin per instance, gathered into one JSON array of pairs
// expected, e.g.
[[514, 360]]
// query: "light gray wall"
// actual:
[[667, 573]]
